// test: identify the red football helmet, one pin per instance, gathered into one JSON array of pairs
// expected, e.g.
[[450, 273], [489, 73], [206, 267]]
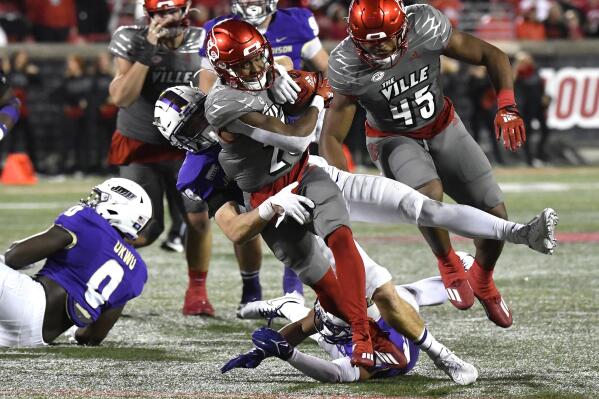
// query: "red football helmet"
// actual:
[[163, 5], [232, 43], [176, 26], [373, 22]]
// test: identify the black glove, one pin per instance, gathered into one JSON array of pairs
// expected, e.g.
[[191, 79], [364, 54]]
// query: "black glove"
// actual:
[[143, 51]]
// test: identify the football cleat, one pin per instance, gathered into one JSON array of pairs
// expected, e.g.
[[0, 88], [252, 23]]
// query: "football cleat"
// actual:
[[362, 351], [173, 244], [489, 297], [272, 342], [458, 370], [268, 309], [197, 304], [540, 232], [385, 352], [455, 281]]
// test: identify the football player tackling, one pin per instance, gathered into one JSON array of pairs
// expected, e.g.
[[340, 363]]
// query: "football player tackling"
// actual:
[[90, 273], [389, 64], [333, 335]]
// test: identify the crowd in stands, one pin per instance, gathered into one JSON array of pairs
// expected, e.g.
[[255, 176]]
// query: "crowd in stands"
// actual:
[[76, 89], [94, 21]]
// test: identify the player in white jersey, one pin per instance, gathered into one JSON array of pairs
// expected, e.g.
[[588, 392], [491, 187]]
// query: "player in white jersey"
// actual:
[[390, 64]]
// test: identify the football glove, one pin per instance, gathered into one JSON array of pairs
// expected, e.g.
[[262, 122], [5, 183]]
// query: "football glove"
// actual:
[[509, 124], [272, 342], [286, 203], [324, 90], [284, 88], [248, 360]]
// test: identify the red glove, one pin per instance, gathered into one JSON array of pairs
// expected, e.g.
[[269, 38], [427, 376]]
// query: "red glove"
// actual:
[[509, 124], [324, 90]]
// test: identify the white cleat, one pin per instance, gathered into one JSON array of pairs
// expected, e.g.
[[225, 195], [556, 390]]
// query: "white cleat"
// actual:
[[458, 370], [268, 309], [541, 231]]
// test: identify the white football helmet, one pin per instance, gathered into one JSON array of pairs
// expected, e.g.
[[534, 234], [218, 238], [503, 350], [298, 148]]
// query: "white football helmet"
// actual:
[[254, 11], [179, 116], [123, 203], [333, 329]]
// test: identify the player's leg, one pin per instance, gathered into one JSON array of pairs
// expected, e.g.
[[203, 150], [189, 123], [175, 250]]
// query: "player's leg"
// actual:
[[469, 180], [198, 250], [377, 199], [149, 177], [249, 258], [331, 222], [175, 237], [22, 308], [410, 162]]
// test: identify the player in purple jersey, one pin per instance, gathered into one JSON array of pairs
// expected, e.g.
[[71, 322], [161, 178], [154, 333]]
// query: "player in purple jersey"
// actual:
[[90, 273], [390, 65], [149, 59], [333, 336], [10, 107], [179, 116]]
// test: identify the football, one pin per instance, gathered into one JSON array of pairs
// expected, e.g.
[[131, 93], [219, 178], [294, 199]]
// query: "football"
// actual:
[[308, 82]]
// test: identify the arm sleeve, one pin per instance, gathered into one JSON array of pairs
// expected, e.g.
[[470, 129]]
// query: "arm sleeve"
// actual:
[[339, 370], [225, 105], [287, 143], [310, 48]]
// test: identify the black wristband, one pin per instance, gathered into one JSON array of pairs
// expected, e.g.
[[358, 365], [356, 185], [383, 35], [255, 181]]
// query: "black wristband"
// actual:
[[145, 50]]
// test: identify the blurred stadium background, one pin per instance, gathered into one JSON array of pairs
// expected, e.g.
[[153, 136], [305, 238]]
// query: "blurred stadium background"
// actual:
[[54, 52]]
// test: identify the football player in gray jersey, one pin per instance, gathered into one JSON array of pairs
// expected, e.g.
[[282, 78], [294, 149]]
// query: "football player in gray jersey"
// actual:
[[149, 59], [389, 64], [263, 155]]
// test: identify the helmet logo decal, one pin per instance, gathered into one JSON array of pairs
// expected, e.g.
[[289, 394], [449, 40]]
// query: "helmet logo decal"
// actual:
[[165, 3], [378, 76], [123, 191], [250, 49], [376, 36], [213, 52]]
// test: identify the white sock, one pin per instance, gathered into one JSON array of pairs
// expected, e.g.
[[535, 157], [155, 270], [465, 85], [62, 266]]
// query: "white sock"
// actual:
[[428, 292], [429, 344]]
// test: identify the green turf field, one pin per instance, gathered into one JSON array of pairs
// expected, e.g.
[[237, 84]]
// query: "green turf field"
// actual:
[[549, 352]]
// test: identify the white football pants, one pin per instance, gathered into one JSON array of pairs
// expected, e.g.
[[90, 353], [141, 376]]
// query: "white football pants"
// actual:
[[22, 308]]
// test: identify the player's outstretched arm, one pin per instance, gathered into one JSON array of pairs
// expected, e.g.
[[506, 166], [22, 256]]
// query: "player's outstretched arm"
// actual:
[[241, 227], [336, 125], [508, 123], [37, 247], [302, 127], [94, 334]]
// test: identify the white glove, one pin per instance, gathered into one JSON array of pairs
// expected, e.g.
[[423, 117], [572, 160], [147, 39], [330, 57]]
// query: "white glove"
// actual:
[[284, 89], [70, 334], [286, 203]]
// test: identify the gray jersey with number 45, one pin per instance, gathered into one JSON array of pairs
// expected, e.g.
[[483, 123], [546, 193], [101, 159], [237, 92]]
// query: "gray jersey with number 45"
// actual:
[[407, 96], [251, 163]]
